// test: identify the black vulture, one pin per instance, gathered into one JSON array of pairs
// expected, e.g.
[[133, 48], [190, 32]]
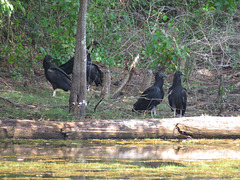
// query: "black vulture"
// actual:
[[55, 75], [68, 66], [177, 95], [152, 96], [94, 74]]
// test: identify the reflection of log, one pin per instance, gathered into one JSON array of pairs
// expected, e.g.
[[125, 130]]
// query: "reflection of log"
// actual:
[[157, 152], [196, 127]]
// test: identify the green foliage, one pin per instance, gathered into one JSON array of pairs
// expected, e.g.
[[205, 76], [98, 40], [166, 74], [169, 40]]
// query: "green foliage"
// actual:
[[60, 31], [6, 8], [56, 30], [31, 29], [224, 5], [166, 50], [111, 24], [104, 56]]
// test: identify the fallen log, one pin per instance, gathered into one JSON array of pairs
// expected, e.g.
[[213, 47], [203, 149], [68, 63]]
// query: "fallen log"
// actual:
[[169, 128]]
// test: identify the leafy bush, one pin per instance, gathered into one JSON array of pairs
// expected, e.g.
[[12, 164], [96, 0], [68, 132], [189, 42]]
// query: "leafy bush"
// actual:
[[162, 32]]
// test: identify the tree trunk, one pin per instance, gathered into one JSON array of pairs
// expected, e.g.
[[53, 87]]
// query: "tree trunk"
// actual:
[[77, 100], [196, 127], [106, 84], [146, 82]]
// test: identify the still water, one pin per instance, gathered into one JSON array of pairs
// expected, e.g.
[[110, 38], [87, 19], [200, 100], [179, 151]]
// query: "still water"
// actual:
[[120, 159]]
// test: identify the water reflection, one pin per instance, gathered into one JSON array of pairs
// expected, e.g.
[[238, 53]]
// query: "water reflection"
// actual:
[[106, 153]]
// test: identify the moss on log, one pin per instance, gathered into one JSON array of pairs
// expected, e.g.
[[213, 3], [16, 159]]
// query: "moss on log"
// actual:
[[196, 127]]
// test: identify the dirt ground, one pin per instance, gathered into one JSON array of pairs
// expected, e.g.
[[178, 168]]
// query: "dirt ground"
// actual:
[[202, 87]]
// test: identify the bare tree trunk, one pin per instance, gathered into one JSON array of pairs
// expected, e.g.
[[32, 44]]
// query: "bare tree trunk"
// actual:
[[146, 80], [106, 84], [220, 93], [77, 100]]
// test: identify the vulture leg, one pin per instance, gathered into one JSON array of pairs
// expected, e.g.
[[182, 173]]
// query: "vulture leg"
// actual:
[[174, 112], [54, 92], [154, 110], [180, 113]]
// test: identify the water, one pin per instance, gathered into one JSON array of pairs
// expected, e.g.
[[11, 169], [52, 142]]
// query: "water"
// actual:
[[96, 160], [163, 152]]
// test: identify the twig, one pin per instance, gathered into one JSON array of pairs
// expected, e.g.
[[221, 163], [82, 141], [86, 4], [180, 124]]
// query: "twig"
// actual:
[[5, 82], [97, 104]]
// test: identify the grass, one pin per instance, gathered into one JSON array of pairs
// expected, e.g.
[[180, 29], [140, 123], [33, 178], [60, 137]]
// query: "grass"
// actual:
[[35, 103], [38, 104]]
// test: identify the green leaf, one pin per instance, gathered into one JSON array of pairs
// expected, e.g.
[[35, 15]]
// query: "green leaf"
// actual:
[[44, 22], [53, 7], [164, 18], [11, 59], [150, 49], [30, 39]]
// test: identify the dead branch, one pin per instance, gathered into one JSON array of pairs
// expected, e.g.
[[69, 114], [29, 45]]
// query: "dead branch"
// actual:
[[129, 75]]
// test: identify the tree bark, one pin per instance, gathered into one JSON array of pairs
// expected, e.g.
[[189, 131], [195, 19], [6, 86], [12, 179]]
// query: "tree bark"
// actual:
[[146, 82], [77, 100], [196, 127], [106, 84]]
